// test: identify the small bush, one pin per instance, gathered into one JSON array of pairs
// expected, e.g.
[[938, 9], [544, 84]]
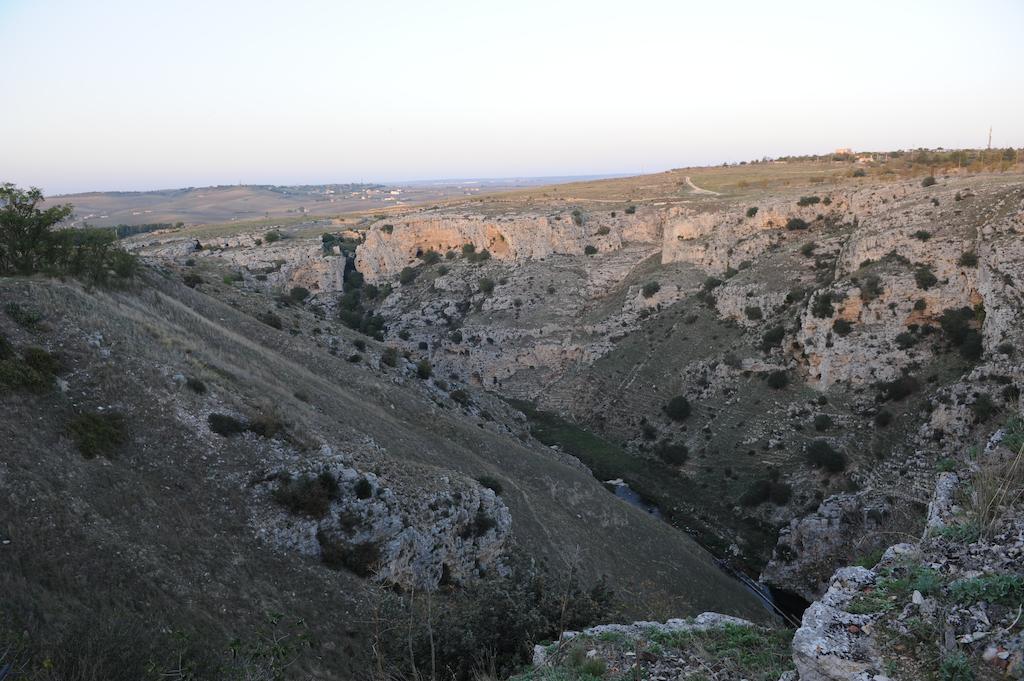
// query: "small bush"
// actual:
[[922, 235], [883, 418], [460, 396], [486, 285], [920, 304], [678, 408], [389, 356], [753, 313], [307, 495], [822, 422], [756, 493], [577, 217], [871, 288], [424, 369], [650, 288], [41, 361], [794, 223], [778, 379], [820, 454], [968, 259], [604, 230], [24, 317], [752, 211], [431, 257], [491, 483], [859, 172], [905, 340], [808, 200], [589, 250], [924, 277], [225, 425], [361, 559], [899, 388], [299, 293], [983, 408], [672, 453], [630, 210], [98, 434], [841, 327], [266, 425], [407, 276], [807, 250], [822, 307], [195, 385], [363, 489], [273, 236], [772, 337], [928, 181], [192, 280], [270, 319]]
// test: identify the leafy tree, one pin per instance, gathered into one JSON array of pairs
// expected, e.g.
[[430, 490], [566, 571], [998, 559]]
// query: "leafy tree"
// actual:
[[26, 240]]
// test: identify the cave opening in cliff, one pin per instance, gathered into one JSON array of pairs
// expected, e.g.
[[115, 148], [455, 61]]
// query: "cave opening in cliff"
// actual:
[[789, 604]]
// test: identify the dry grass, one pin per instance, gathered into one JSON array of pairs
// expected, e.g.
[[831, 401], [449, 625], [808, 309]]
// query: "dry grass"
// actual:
[[997, 488]]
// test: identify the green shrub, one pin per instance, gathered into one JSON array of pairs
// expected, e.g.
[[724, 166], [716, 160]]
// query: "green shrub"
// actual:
[[603, 230], [299, 293], [424, 369], [389, 356], [772, 337], [883, 418], [841, 327], [821, 454], [756, 493], [650, 288], [905, 340], [360, 558], [924, 277], [807, 250], [1004, 589], [678, 408], [41, 361], [431, 257], [920, 304], [928, 181], [98, 433], [491, 483], [363, 489], [922, 235], [589, 250], [778, 379], [822, 307], [752, 211], [307, 494], [577, 217], [225, 425], [808, 200], [407, 276], [795, 223], [983, 407], [272, 236], [195, 385], [270, 319], [672, 453], [630, 210], [266, 425], [871, 288], [859, 172], [899, 388], [968, 259], [486, 285], [822, 422], [753, 313], [192, 280], [24, 317]]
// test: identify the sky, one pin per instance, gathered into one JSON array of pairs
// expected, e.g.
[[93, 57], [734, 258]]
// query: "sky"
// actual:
[[140, 94]]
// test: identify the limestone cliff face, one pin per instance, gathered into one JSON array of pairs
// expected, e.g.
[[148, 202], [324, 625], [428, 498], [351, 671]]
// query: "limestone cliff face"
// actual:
[[719, 240], [395, 244]]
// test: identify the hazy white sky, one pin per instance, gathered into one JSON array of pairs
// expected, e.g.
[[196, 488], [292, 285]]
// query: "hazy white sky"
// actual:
[[135, 94]]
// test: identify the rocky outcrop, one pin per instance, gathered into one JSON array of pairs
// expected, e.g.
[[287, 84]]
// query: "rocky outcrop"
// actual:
[[420, 540], [806, 552]]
